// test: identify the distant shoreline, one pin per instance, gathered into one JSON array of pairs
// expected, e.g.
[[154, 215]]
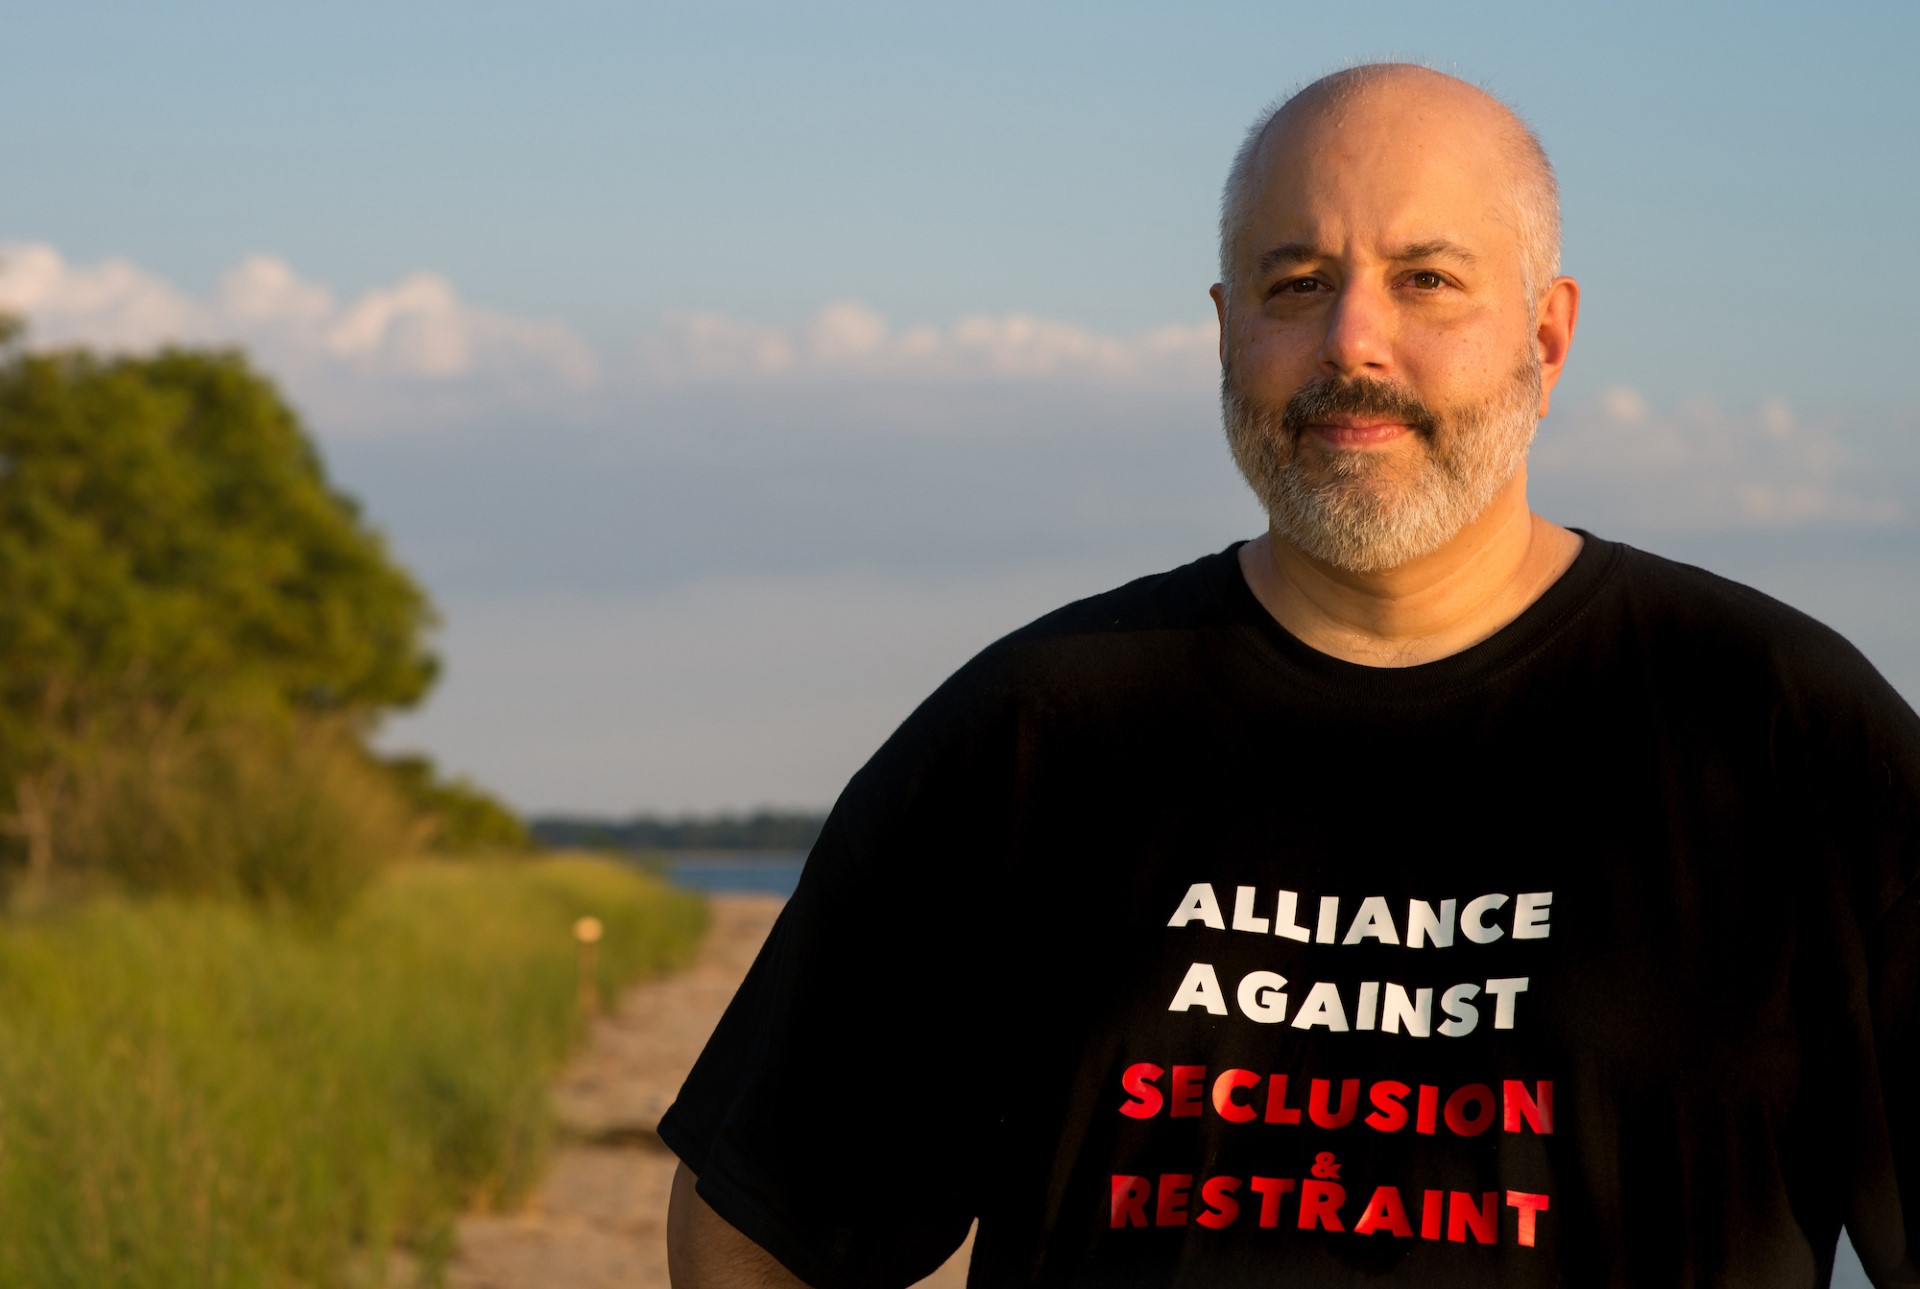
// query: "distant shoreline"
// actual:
[[733, 872], [779, 832]]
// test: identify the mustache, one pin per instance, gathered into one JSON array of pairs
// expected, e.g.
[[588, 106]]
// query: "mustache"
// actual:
[[1326, 398]]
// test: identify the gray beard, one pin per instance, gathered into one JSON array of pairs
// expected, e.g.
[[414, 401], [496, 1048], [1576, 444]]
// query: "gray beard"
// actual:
[[1364, 511]]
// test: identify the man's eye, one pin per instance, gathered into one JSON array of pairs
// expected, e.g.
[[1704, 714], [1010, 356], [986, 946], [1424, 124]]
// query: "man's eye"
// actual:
[[1427, 281], [1298, 286]]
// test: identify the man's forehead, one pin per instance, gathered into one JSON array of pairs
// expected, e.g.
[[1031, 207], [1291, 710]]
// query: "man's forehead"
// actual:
[[1413, 208], [1401, 171]]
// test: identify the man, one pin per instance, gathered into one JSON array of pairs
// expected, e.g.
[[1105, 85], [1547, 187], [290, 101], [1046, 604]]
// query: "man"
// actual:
[[1420, 893]]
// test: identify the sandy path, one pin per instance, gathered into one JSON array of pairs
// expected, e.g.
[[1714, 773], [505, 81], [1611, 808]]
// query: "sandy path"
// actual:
[[600, 1217]]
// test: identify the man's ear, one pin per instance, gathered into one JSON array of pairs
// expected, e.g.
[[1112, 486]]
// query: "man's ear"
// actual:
[[1219, 294], [1553, 333]]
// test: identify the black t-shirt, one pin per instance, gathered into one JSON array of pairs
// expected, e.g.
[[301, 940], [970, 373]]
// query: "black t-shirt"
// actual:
[[1179, 953]]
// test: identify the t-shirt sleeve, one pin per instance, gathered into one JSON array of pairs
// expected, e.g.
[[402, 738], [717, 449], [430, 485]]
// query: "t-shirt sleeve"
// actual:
[[1871, 786], [841, 1114], [1894, 983]]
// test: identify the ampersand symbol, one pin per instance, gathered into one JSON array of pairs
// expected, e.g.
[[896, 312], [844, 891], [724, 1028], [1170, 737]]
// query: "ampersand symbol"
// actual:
[[1323, 1165]]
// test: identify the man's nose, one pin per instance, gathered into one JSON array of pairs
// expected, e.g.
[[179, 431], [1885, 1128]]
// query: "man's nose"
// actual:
[[1359, 331]]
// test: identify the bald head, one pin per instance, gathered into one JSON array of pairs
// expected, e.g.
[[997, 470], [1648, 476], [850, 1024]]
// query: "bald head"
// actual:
[[1413, 92]]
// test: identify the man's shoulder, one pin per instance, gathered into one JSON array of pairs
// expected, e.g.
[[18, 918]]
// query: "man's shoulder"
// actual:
[[1114, 637], [1141, 619], [1174, 600], [1703, 622], [1685, 597], [1122, 645]]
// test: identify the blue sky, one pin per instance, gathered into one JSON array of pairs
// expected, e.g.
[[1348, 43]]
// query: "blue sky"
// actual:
[[1734, 167], [730, 374]]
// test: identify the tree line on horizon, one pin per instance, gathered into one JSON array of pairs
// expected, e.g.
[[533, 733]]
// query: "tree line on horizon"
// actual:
[[763, 830]]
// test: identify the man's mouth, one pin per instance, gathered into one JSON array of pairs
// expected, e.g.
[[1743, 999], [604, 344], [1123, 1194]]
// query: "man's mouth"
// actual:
[[1358, 433], [1356, 414]]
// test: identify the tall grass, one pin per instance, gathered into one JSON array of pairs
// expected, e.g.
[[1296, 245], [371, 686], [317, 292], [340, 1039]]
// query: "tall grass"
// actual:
[[286, 813], [205, 1095]]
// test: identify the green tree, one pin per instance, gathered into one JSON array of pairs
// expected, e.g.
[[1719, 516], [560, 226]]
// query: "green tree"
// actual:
[[458, 815], [170, 543]]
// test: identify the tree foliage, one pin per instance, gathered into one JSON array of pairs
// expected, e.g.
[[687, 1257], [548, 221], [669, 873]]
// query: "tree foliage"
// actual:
[[172, 549], [459, 816], [167, 531]]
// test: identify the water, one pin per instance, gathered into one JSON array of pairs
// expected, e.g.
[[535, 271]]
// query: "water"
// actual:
[[758, 872]]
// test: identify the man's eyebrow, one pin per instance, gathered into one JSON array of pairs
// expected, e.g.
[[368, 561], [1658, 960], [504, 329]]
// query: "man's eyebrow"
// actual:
[[1289, 253], [1438, 248]]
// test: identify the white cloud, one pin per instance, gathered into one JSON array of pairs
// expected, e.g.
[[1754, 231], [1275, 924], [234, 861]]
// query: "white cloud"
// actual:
[[848, 339], [420, 327], [393, 353], [114, 304], [264, 291], [414, 352], [1776, 418], [1624, 405], [1700, 465]]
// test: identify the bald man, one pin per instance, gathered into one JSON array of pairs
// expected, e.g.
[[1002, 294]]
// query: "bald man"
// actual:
[[1420, 892]]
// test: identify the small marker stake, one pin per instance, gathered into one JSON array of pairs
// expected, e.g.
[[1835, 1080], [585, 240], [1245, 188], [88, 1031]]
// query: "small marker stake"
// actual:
[[586, 931]]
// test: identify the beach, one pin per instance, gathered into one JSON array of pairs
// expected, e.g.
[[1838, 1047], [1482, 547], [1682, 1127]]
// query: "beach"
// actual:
[[599, 1218]]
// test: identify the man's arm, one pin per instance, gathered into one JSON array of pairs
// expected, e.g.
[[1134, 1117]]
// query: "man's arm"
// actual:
[[705, 1252]]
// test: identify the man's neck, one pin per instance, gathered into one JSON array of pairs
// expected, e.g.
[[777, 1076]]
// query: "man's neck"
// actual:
[[1428, 608]]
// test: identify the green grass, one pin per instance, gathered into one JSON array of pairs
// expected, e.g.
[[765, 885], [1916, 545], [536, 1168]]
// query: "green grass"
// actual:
[[202, 1095]]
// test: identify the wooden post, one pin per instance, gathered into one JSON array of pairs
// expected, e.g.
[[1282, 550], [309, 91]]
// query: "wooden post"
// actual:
[[586, 932]]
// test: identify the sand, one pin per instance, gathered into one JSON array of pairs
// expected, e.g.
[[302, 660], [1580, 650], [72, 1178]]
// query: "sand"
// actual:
[[600, 1217]]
